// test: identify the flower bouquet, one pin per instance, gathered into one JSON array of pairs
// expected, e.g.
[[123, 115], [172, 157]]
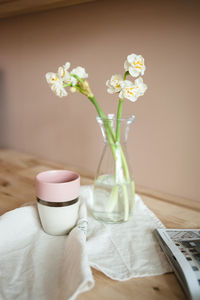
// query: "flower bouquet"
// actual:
[[114, 188]]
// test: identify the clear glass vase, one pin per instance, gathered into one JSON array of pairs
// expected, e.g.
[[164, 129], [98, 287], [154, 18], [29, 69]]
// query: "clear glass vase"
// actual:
[[114, 189]]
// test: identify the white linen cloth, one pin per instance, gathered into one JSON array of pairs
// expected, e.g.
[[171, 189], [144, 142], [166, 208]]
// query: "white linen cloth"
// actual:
[[126, 250], [37, 266]]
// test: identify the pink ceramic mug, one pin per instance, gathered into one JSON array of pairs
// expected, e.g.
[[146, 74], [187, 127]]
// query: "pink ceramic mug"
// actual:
[[58, 200]]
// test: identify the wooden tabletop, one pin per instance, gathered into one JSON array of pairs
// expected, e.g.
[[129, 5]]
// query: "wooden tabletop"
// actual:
[[17, 174]]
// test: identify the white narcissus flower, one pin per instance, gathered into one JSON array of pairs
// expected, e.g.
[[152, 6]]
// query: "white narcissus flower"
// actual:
[[140, 86], [114, 84], [65, 76], [80, 72], [58, 89], [132, 91], [51, 77], [135, 65], [128, 91]]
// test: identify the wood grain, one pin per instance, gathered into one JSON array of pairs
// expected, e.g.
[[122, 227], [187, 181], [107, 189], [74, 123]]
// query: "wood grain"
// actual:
[[188, 203], [10, 8], [17, 173]]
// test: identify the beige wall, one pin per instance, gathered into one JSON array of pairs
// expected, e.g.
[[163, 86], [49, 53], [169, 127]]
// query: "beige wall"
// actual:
[[164, 141]]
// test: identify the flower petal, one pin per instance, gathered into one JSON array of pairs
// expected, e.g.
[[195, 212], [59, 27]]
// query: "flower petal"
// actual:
[[114, 84], [126, 83], [140, 86], [135, 65], [58, 89], [133, 72], [61, 72], [131, 57], [80, 72], [66, 66], [110, 91], [51, 77], [126, 65], [121, 96]]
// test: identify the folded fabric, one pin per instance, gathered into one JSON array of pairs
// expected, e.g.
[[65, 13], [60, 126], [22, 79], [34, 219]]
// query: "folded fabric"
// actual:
[[126, 250], [38, 266]]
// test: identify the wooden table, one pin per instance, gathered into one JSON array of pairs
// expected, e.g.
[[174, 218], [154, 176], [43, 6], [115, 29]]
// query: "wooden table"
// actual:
[[17, 173]]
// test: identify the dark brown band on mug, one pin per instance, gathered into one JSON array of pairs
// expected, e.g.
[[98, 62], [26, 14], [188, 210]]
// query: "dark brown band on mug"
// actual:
[[57, 204]]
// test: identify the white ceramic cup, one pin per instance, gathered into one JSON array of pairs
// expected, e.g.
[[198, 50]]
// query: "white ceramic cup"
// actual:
[[58, 200]]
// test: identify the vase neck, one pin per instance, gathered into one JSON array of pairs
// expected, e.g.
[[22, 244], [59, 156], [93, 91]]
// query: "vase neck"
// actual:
[[109, 128]]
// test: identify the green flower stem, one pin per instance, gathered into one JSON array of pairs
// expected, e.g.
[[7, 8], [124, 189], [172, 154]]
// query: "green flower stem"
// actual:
[[78, 78], [112, 132], [113, 199], [126, 74], [102, 115], [112, 145], [125, 166], [124, 163], [126, 202], [66, 85], [107, 125], [119, 113], [95, 103], [127, 176]]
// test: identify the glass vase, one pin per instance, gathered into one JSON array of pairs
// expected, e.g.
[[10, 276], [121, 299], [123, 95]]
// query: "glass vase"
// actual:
[[114, 189]]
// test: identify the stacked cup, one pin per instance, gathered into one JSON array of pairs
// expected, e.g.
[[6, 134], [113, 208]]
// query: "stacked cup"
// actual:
[[58, 200]]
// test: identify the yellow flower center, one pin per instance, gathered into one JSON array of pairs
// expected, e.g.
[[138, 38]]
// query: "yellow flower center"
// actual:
[[130, 91], [137, 64], [63, 74]]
